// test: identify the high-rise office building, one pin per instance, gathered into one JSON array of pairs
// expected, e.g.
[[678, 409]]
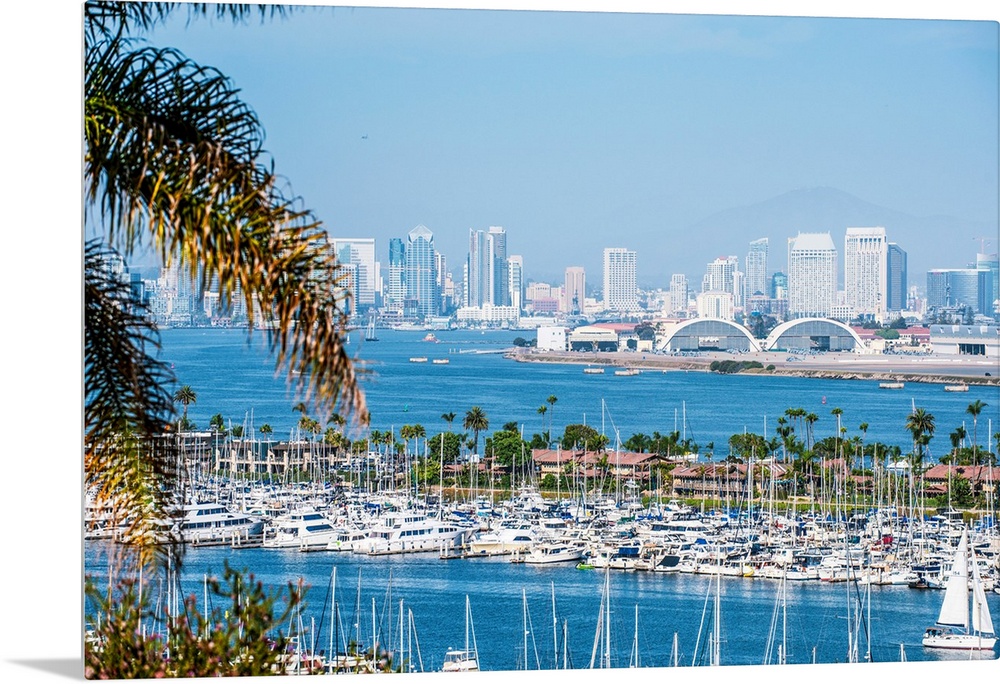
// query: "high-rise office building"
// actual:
[[421, 283], [949, 288], [488, 280], [395, 293], [896, 286], [866, 271], [359, 253], [575, 289], [812, 275], [779, 285], [991, 262], [678, 294], [515, 280], [620, 293], [756, 268], [496, 238]]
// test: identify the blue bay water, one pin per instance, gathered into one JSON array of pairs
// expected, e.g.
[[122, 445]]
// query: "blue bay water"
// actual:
[[238, 380]]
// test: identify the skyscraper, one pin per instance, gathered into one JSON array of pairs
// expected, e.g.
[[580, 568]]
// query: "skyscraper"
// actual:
[[812, 275], [421, 284], [866, 271], [991, 262], [515, 280], [488, 281], [359, 252], [959, 287], [678, 294], [896, 286], [575, 289], [496, 239], [619, 280], [756, 268], [396, 291]]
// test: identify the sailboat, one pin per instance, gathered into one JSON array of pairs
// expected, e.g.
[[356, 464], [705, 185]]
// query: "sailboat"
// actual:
[[370, 330], [467, 659], [952, 628]]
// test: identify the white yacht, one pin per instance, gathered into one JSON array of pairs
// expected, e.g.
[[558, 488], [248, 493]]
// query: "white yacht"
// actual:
[[347, 538], [211, 523], [511, 536], [412, 532], [553, 552], [303, 528]]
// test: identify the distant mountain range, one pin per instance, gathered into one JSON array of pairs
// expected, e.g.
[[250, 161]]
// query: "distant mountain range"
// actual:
[[930, 241]]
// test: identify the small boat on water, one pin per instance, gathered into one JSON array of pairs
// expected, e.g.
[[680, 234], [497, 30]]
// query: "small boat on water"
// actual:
[[553, 552], [418, 359], [431, 337], [465, 659], [304, 529], [627, 371], [441, 362], [589, 370], [962, 387], [952, 630], [891, 385]]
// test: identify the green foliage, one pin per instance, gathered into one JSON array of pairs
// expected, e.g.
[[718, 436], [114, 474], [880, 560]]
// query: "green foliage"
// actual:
[[507, 447], [239, 636], [888, 333], [747, 445], [452, 446], [731, 366], [583, 437]]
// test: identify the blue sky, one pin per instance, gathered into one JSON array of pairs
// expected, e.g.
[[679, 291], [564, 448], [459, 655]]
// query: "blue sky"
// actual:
[[578, 131]]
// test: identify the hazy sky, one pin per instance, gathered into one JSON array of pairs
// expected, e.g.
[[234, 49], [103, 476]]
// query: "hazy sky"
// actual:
[[578, 131]]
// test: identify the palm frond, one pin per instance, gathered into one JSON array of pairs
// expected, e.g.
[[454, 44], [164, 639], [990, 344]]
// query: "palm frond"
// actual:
[[128, 462]]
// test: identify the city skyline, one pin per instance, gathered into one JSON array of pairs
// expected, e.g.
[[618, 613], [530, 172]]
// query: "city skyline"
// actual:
[[568, 127]]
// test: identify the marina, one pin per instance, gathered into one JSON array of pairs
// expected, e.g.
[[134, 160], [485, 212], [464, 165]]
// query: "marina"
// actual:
[[595, 561]]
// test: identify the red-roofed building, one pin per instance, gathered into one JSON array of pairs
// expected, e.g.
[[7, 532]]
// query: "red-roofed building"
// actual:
[[983, 479]]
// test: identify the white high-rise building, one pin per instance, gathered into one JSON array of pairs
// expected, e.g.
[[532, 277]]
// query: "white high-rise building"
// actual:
[[515, 280], [812, 275], [359, 253], [575, 289], [715, 305], [865, 271], [756, 268], [678, 293], [421, 284], [620, 292]]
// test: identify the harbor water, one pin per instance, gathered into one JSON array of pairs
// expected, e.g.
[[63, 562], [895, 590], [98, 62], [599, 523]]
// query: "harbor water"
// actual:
[[649, 612]]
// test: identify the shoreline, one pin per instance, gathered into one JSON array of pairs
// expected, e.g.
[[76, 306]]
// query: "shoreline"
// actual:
[[926, 369]]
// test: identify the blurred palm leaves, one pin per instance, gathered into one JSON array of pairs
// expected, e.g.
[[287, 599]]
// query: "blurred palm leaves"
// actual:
[[174, 162]]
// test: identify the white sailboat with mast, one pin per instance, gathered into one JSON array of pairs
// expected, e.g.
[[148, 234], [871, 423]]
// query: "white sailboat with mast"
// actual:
[[952, 630], [467, 659]]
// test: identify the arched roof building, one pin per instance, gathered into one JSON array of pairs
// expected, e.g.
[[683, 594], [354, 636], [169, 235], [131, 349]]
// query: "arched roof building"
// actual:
[[708, 334], [813, 334]]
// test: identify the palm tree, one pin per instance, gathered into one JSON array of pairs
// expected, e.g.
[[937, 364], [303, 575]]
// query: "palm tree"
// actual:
[[185, 395], [448, 418], [551, 401], [974, 409], [541, 410], [476, 420], [174, 164], [920, 424]]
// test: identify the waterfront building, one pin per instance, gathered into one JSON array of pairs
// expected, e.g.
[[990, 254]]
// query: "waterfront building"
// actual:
[[574, 290], [715, 305], [421, 283], [756, 269], [896, 285], [515, 280], [953, 288], [488, 314], [812, 275], [359, 253], [865, 272], [620, 293], [550, 338], [487, 268], [396, 291], [973, 340], [678, 294], [991, 263]]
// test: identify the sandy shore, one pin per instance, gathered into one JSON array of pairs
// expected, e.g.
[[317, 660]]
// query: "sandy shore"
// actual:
[[901, 368]]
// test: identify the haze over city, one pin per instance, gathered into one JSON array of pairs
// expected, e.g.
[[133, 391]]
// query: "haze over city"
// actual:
[[681, 137]]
